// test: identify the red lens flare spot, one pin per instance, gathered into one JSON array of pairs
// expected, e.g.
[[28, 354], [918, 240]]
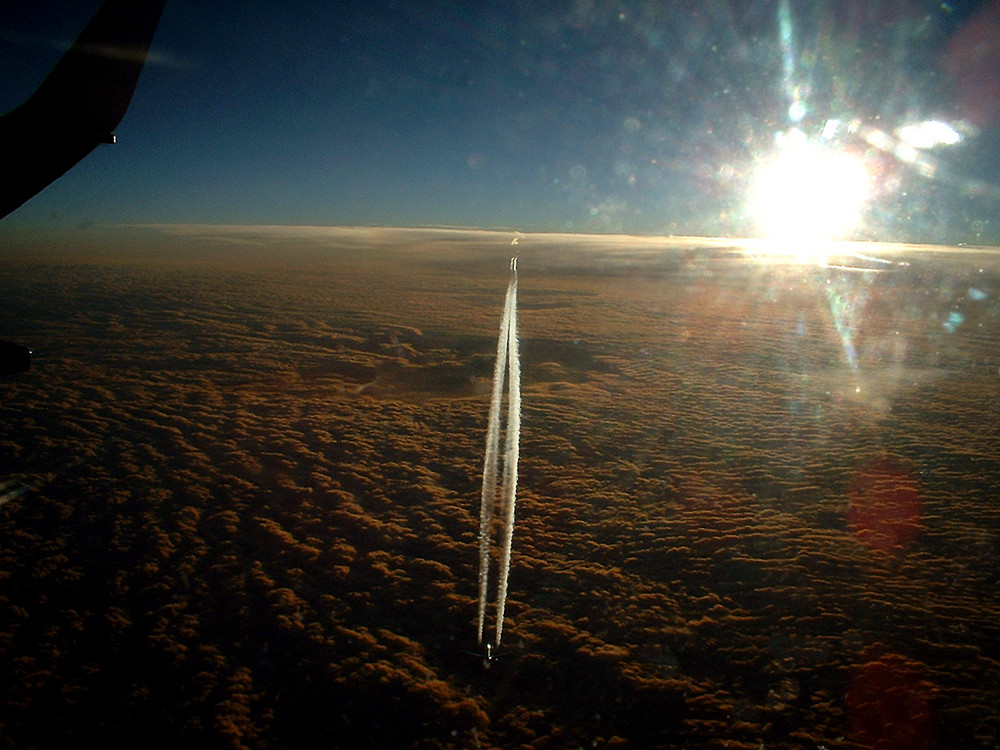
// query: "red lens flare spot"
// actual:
[[884, 505], [889, 703]]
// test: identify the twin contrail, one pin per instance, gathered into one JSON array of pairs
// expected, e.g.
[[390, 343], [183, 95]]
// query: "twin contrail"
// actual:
[[508, 359]]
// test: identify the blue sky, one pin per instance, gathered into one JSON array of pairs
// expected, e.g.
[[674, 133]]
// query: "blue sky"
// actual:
[[583, 116]]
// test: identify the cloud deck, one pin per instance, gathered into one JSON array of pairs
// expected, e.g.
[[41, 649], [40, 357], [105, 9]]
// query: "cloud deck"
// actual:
[[268, 532]]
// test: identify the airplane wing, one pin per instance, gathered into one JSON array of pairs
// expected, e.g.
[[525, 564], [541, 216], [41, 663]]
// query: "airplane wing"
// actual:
[[13, 358], [80, 103], [77, 107]]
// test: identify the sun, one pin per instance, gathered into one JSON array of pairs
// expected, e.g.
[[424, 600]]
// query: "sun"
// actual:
[[807, 193]]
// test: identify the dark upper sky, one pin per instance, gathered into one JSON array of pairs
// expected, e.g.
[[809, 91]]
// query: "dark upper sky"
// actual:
[[586, 116]]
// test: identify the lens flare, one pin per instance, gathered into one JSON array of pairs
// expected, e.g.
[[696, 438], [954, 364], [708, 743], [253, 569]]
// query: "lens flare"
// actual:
[[808, 192]]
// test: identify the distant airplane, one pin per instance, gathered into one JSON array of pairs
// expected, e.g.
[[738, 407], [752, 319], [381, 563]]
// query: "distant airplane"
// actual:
[[77, 107], [489, 656]]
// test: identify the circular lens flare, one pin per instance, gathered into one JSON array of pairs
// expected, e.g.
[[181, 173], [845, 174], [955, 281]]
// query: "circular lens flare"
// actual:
[[808, 192]]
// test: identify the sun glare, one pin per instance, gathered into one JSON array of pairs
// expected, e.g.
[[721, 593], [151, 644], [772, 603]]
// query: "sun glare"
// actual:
[[808, 193]]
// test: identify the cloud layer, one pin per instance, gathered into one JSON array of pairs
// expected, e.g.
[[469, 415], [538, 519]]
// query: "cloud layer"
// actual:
[[262, 461]]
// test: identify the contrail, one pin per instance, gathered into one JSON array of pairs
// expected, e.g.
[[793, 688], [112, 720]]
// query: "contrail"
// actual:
[[511, 451], [507, 359], [487, 499]]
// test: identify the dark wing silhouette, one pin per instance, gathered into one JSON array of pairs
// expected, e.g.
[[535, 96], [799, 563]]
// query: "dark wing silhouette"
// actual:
[[78, 106], [13, 358], [80, 103]]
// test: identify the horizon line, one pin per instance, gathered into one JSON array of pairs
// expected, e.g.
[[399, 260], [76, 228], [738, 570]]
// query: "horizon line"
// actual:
[[762, 245]]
